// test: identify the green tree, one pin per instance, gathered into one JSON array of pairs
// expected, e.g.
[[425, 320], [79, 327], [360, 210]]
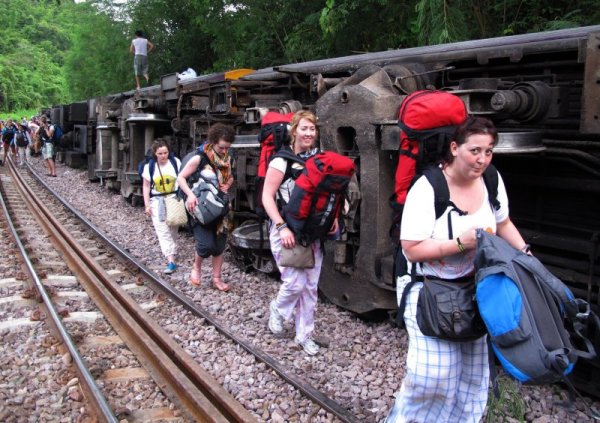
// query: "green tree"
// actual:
[[442, 21], [32, 43], [360, 26], [97, 62]]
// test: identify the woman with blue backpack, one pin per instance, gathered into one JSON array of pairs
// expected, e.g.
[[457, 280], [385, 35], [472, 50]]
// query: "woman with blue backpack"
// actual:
[[159, 179], [447, 380]]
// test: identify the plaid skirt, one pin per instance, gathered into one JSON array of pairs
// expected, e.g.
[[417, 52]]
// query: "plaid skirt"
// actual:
[[444, 381]]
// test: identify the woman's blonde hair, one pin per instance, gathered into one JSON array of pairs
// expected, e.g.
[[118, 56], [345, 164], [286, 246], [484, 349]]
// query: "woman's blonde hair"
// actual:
[[298, 116]]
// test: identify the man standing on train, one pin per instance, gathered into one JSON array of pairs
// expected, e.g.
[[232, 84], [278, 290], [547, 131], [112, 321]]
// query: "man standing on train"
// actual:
[[140, 47]]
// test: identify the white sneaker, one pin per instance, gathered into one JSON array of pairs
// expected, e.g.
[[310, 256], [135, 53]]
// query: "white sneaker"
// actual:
[[309, 346], [275, 320]]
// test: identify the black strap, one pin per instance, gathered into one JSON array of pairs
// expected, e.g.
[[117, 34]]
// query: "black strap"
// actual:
[[195, 177], [490, 179], [151, 164], [402, 306], [408, 153], [441, 193], [422, 135], [574, 392], [492, 366]]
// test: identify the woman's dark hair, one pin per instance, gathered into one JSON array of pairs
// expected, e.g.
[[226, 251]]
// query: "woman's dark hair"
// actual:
[[472, 126], [139, 33], [220, 131], [158, 143]]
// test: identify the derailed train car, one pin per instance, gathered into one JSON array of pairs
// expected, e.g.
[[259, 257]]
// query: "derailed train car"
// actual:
[[542, 90]]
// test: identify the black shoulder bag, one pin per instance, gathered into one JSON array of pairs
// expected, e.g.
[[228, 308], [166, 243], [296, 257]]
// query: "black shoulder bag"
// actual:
[[446, 309]]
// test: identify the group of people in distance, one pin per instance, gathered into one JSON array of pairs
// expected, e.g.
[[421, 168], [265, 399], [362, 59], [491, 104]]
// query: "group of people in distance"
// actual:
[[444, 381], [29, 138]]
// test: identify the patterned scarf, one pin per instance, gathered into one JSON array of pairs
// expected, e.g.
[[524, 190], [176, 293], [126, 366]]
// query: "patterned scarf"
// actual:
[[222, 163], [305, 155]]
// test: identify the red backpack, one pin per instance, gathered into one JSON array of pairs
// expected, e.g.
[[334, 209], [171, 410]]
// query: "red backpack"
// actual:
[[428, 120], [273, 135], [318, 195]]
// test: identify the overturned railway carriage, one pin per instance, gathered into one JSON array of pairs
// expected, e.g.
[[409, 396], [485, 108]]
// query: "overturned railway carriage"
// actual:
[[542, 91]]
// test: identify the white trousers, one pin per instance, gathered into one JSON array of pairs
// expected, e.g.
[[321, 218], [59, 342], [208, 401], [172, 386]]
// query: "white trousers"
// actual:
[[165, 233], [298, 292], [23, 154]]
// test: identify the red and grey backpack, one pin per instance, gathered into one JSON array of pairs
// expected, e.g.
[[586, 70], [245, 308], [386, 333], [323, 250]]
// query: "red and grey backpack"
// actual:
[[428, 120], [318, 195], [273, 136]]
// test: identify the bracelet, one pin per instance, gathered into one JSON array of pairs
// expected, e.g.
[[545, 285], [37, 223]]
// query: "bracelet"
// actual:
[[281, 226], [461, 247], [526, 248]]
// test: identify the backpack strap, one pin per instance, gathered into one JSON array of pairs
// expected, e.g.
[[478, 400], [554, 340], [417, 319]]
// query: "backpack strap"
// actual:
[[173, 161], [435, 176], [151, 166], [402, 306], [290, 158], [492, 367], [441, 193], [490, 179], [194, 177]]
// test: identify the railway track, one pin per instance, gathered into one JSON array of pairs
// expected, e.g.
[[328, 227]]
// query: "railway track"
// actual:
[[53, 250], [117, 283]]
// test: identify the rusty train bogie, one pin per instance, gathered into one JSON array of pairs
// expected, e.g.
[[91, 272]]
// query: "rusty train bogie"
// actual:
[[541, 90]]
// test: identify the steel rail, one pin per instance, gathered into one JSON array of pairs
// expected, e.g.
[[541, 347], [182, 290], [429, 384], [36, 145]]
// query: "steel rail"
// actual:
[[306, 389], [93, 394], [183, 380]]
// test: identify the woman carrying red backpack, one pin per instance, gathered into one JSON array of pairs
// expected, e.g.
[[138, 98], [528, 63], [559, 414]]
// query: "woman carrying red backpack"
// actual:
[[298, 293]]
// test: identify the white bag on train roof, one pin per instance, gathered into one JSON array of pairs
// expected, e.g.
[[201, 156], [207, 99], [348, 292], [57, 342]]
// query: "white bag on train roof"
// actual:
[[187, 74]]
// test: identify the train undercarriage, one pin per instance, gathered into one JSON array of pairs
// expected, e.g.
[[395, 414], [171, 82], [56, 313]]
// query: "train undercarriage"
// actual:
[[541, 90]]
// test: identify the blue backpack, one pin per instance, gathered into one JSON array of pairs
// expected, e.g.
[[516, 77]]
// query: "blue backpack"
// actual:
[[58, 133], [8, 134], [149, 159], [534, 321]]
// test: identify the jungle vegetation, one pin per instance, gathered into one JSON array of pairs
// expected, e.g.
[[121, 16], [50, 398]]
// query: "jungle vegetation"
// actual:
[[57, 51]]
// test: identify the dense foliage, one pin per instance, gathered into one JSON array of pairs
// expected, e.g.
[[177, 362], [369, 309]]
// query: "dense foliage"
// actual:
[[54, 51]]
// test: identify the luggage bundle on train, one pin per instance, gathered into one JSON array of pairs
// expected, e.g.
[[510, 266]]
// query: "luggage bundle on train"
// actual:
[[318, 195]]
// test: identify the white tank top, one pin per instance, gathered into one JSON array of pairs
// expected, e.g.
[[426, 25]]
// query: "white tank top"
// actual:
[[140, 46]]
